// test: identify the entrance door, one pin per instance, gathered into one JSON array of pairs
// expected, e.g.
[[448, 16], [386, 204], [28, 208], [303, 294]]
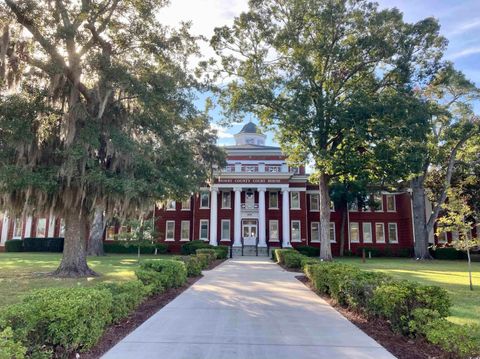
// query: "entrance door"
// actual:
[[249, 232]]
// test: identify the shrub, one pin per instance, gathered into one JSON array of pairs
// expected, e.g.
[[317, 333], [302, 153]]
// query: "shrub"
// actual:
[[308, 251], [151, 279], [9, 348], [209, 252], [126, 297], [279, 254], [358, 289], [14, 245], [173, 273], [307, 261], [61, 320], [448, 253], [329, 277], [292, 259], [193, 265], [191, 247], [397, 300], [131, 247], [43, 245], [222, 252]]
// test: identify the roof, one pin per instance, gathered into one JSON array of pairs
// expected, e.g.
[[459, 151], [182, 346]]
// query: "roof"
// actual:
[[250, 128], [251, 147]]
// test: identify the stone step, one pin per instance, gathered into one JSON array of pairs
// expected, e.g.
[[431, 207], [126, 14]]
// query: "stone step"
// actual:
[[249, 251]]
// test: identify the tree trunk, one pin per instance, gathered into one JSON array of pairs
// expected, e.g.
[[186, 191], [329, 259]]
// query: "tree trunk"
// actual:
[[74, 260], [95, 241], [469, 268], [325, 247], [344, 210], [419, 218]]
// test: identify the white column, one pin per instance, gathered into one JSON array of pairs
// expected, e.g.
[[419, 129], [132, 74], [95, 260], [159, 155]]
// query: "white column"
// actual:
[[286, 217], [262, 238], [4, 233], [213, 216], [28, 227], [237, 235]]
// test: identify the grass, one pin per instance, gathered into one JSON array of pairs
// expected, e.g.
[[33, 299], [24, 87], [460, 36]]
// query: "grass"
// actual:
[[23, 272], [451, 275]]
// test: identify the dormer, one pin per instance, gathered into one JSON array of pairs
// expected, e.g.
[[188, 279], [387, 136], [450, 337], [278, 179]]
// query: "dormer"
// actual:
[[250, 135]]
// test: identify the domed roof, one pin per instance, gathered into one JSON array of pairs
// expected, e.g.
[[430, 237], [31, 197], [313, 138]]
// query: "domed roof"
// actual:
[[250, 128]]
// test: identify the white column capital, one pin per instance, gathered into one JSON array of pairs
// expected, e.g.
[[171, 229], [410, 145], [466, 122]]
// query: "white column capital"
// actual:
[[285, 190], [214, 189], [261, 189]]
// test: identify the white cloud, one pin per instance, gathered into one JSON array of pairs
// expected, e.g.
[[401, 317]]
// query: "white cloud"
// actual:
[[464, 52], [221, 131], [464, 27]]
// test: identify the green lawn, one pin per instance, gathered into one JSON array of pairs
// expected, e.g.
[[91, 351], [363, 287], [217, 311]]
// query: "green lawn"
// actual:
[[451, 275], [22, 272]]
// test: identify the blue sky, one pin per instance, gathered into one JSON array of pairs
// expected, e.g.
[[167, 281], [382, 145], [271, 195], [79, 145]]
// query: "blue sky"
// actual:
[[459, 19]]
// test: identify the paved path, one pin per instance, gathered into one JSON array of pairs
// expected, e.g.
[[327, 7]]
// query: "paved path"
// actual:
[[247, 308]]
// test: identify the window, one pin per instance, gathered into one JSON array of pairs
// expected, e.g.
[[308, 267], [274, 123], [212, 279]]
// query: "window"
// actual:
[[331, 233], [62, 228], [354, 235], [379, 233], [41, 228], [315, 232], [204, 229], [110, 233], [442, 238], [226, 200], [225, 230], [273, 229], [186, 205], [294, 200], [367, 232], [455, 235], [185, 231], [354, 206], [18, 227], [314, 202], [391, 203], [171, 205], [296, 235], [204, 200], [392, 233], [273, 200], [170, 231], [332, 206], [378, 200]]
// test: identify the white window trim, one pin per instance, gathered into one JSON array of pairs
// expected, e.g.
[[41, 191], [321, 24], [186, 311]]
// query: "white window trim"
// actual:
[[394, 203], [312, 195], [208, 204], [291, 202], [275, 240], [189, 205], [358, 231], [299, 231], [367, 224], [380, 209], [332, 206], [167, 239], [200, 229], [167, 208], [45, 234], [230, 201], [312, 239], [229, 230], [383, 231], [270, 202], [181, 231], [334, 232], [396, 232], [20, 222]]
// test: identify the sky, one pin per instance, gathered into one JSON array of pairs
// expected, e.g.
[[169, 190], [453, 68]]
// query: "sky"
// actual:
[[459, 20]]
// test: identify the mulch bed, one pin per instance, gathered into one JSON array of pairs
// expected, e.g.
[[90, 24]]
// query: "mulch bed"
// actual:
[[149, 307], [399, 345]]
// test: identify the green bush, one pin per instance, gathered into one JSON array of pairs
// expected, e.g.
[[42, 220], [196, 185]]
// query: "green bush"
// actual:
[[396, 301], [279, 254], [131, 247], [307, 261], [14, 245], [193, 265], [448, 253], [60, 320], [308, 251], [126, 297], [222, 252], [384, 252], [328, 277], [151, 279], [292, 259], [43, 245], [210, 252], [358, 289], [191, 247], [173, 273], [9, 348]]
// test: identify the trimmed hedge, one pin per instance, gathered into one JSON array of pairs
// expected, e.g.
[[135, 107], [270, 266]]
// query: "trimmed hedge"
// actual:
[[292, 259], [172, 273], [191, 247], [60, 320], [9, 348], [193, 265], [131, 247], [43, 244], [210, 252], [280, 254], [448, 253], [14, 245], [385, 251], [222, 252], [308, 251]]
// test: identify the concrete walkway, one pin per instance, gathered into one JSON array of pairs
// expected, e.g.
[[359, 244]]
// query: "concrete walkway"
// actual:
[[247, 308]]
